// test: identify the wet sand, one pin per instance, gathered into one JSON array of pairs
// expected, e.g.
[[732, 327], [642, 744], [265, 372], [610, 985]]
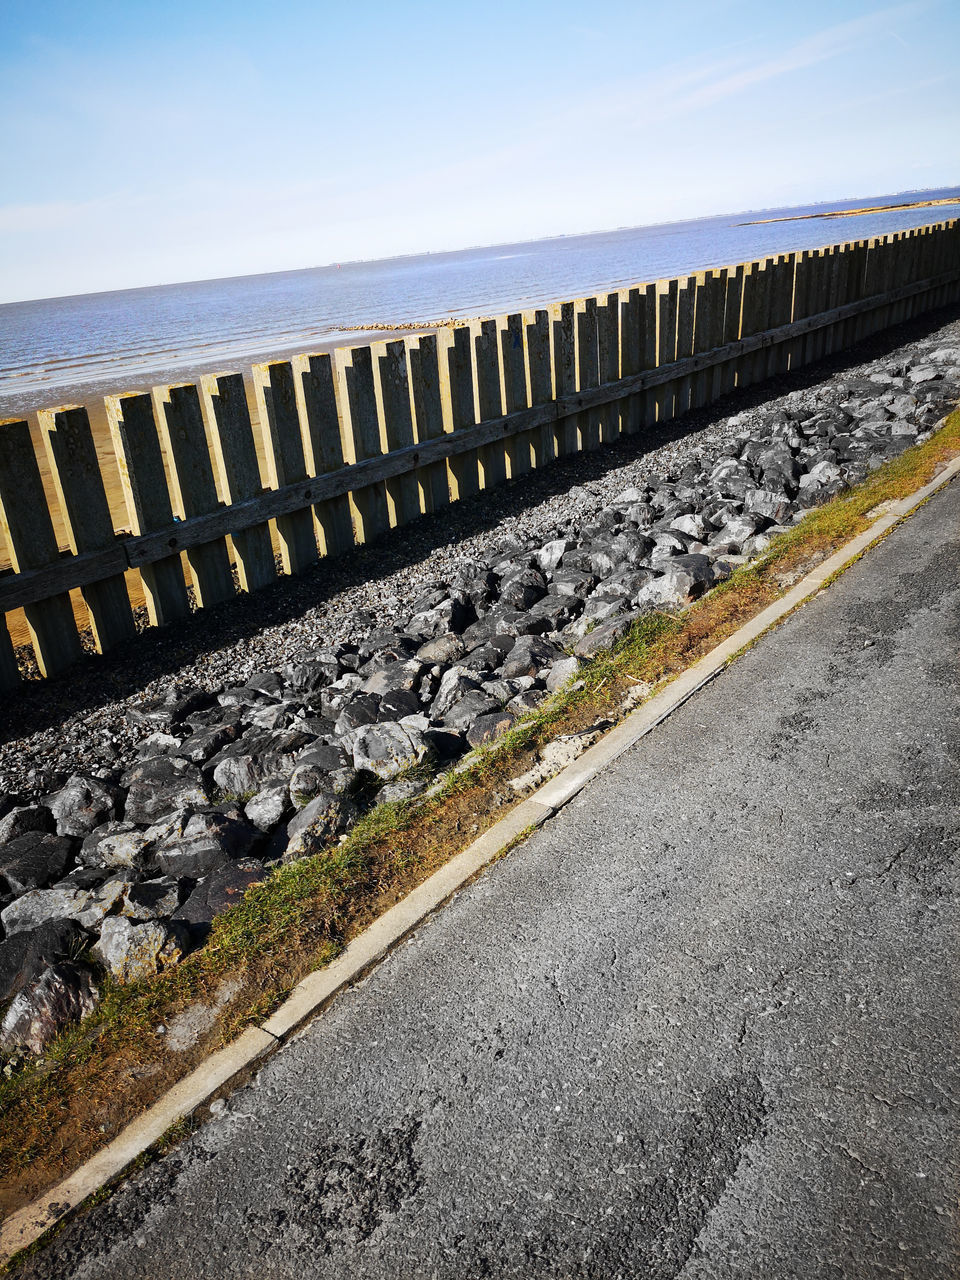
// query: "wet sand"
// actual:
[[91, 393]]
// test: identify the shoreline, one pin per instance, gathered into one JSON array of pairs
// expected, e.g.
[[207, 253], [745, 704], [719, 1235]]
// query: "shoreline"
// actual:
[[854, 213]]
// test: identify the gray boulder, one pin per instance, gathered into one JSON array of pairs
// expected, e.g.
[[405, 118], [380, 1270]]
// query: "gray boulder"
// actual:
[[528, 657], [268, 808], [87, 906], [325, 817], [208, 841], [562, 672], [470, 708], [152, 899], [443, 649], [489, 727], [33, 861], [604, 637], [62, 994], [388, 748], [454, 683], [25, 956], [134, 951], [161, 786], [23, 819], [118, 844]]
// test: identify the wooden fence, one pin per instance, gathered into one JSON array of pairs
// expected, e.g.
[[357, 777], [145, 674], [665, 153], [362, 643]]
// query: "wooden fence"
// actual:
[[345, 445]]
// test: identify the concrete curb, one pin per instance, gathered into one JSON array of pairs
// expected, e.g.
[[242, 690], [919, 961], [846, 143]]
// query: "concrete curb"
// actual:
[[317, 989]]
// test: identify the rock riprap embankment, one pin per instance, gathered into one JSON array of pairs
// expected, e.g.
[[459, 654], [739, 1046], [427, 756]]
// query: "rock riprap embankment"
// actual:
[[131, 865]]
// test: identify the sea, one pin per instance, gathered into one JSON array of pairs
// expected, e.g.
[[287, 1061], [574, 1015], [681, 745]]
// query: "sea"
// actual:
[[55, 350]]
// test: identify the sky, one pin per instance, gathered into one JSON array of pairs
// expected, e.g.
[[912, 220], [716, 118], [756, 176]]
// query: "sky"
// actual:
[[146, 143]]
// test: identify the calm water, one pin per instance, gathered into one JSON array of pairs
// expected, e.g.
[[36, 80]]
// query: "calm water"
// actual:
[[111, 338]]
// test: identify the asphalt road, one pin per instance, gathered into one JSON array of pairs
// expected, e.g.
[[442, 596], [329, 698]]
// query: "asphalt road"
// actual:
[[702, 1024]]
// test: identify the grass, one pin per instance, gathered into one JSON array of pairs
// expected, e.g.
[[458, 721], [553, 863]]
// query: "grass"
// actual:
[[96, 1077]]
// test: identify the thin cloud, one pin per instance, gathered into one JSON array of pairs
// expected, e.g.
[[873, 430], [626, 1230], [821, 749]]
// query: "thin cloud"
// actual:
[[826, 44]]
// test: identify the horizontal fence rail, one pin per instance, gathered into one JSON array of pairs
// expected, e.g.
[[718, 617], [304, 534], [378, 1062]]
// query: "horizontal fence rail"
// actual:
[[225, 484]]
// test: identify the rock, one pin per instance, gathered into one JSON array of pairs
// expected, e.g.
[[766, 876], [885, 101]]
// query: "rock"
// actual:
[[23, 819], [454, 683], [118, 844], [396, 676], [362, 709], [152, 899], [218, 893], [562, 672], [325, 817], [604, 637], [526, 701], [208, 841], [63, 993], [448, 616], [469, 708], [206, 742], [387, 749], [402, 789], [169, 709], [158, 744], [550, 555], [87, 906], [489, 727], [308, 678], [444, 650], [521, 590], [33, 861], [132, 951], [25, 956], [161, 786], [773, 503], [529, 656]]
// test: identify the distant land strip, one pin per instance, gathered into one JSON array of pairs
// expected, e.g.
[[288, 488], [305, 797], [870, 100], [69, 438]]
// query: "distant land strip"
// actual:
[[853, 213]]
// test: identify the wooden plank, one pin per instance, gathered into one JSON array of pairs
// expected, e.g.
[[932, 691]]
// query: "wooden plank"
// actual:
[[275, 388], [588, 369], [516, 391], [322, 415], [458, 390], [434, 480], [9, 672], [801, 304], [705, 336], [649, 307], [396, 412], [814, 346], [32, 545], [667, 295], [632, 355], [72, 456], [537, 329], [732, 321], [194, 491], [358, 397], [686, 316], [490, 398], [563, 329], [224, 402], [136, 443], [714, 381], [608, 352], [781, 310]]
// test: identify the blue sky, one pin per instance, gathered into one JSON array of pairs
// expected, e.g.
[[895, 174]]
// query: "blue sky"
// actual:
[[152, 142]]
